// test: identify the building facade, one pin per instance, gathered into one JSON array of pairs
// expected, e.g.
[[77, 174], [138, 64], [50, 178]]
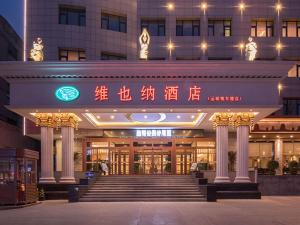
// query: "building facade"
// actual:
[[194, 100], [11, 124]]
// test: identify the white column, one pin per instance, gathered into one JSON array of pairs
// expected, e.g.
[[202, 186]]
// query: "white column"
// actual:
[[222, 154], [242, 173], [47, 156], [279, 154], [67, 155]]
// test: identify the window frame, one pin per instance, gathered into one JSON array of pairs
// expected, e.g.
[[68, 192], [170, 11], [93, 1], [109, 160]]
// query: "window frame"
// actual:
[[285, 27], [211, 27], [180, 27], [122, 20], [116, 56], [64, 10], [67, 50], [254, 25], [160, 23]]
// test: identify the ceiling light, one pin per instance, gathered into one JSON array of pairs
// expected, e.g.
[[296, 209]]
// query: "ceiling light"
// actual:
[[250, 136], [278, 136], [144, 110], [115, 110], [145, 117], [178, 116], [112, 117], [192, 116], [98, 117], [291, 136], [264, 136], [86, 110], [199, 110]]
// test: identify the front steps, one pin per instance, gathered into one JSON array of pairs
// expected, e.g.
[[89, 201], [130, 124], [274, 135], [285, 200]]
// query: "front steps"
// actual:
[[143, 188]]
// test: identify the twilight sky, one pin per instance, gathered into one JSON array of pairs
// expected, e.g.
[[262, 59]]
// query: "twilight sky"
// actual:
[[12, 10]]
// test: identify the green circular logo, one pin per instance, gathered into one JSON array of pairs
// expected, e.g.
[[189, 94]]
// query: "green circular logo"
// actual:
[[67, 93]]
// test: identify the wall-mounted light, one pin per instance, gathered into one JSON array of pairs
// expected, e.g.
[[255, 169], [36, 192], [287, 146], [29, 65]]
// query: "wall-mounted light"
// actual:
[[204, 6], [278, 7], [280, 87], [170, 46], [203, 46], [170, 6]]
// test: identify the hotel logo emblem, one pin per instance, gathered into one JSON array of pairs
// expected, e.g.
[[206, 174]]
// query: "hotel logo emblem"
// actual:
[[67, 93]]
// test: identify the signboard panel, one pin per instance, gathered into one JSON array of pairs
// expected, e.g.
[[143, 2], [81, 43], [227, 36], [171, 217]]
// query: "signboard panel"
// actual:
[[147, 93]]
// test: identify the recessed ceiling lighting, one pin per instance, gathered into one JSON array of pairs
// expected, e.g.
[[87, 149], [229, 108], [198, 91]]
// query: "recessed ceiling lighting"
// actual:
[[291, 136], [264, 136], [86, 110], [115, 110], [250, 136], [278, 136], [144, 110], [192, 116], [178, 116], [98, 117], [112, 117], [171, 110], [145, 117], [199, 110]]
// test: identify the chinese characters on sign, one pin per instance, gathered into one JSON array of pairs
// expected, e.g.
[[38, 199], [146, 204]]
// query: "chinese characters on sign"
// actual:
[[224, 99], [149, 93], [154, 133]]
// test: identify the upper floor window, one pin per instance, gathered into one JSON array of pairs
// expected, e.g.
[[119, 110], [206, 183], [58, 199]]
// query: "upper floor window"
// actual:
[[154, 27], [188, 28], [71, 54], [72, 15], [219, 28], [291, 29], [262, 28], [291, 107], [114, 22], [298, 70], [112, 56]]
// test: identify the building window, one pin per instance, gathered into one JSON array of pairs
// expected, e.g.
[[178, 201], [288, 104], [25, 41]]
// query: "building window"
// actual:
[[188, 28], [71, 54], [114, 22], [72, 15], [291, 29], [262, 28], [219, 28], [291, 107], [298, 71], [112, 56], [154, 27]]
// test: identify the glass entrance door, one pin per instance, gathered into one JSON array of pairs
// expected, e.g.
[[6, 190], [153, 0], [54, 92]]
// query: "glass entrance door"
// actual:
[[152, 162], [184, 160]]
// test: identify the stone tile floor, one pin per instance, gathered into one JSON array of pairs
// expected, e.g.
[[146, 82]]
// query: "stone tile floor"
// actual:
[[268, 211]]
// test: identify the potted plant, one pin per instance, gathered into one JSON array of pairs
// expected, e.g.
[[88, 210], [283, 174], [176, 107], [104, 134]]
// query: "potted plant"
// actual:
[[293, 167], [273, 165], [41, 193], [231, 160]]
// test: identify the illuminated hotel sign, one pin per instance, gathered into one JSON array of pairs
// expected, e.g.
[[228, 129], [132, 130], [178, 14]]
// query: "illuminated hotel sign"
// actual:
[[150, 93], [154, 133], [67, 93]]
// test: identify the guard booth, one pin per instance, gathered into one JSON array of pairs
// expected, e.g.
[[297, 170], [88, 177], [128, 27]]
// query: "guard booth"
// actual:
[[18, 176]]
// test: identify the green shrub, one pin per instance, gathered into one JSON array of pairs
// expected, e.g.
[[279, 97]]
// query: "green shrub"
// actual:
[[293, 167], [273, 165]]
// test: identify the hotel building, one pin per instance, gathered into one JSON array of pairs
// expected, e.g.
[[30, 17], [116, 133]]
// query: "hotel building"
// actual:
[[193, 100]]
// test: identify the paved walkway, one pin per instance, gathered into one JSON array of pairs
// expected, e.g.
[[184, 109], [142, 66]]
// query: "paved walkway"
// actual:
[[269, 211]]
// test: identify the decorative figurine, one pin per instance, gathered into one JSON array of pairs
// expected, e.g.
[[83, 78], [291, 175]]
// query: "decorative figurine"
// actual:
[[251, 50], [144, 43], [37, 53]]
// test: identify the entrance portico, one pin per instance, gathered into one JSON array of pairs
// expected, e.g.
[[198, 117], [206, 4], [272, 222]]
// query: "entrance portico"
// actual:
[[217, 98]]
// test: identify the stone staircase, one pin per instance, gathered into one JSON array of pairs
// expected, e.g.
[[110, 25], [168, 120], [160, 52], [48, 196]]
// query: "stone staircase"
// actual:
[[153, 188]]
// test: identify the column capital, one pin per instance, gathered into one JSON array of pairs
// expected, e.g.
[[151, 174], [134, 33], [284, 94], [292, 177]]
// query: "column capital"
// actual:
[[221, 119], [56, 120], [66, 120], [44, 120], [243, 119]]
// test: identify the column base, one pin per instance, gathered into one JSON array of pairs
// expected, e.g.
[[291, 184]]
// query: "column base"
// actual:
[[222, 180], [242, 180], [47, 180], [67, 180]]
